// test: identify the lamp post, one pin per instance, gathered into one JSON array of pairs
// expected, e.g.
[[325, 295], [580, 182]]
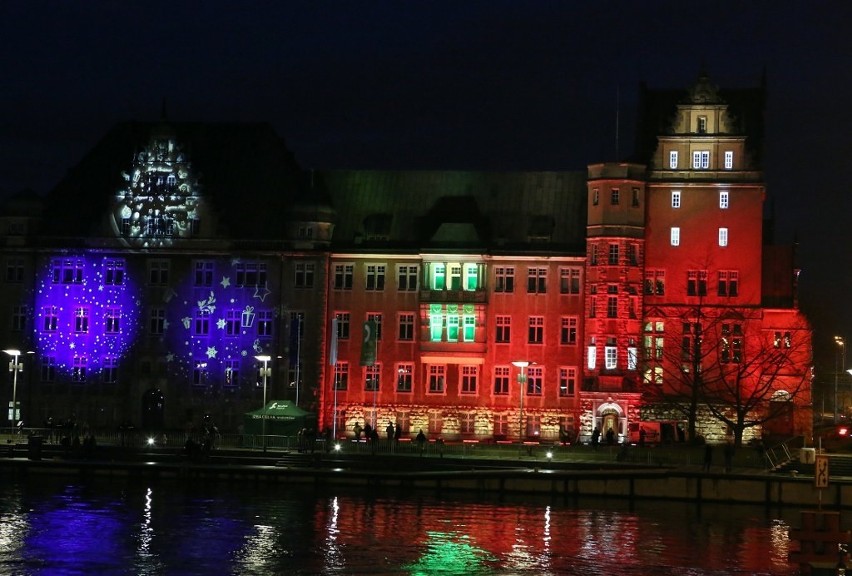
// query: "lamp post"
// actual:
[[522, 379], [14, 367], [265, 373], [841, 342]]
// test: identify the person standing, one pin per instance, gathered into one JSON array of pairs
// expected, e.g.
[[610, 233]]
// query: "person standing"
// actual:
[[421, 441], [596, 436]]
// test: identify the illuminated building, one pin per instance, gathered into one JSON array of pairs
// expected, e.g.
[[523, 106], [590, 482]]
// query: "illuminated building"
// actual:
[[177, 253]]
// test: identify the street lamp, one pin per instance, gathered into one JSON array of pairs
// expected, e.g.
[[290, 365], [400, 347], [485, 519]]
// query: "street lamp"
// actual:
[[841, 342], [14, 367], [265, 373], [522, 378]]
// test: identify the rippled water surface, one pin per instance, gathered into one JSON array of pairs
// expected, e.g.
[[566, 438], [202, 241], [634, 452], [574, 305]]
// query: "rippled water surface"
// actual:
[[69, 527]]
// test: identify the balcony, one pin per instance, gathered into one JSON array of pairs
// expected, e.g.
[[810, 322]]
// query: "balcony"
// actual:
[[453, 296]]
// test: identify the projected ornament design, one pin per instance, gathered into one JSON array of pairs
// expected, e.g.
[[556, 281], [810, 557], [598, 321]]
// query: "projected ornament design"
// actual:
[[159, 202]]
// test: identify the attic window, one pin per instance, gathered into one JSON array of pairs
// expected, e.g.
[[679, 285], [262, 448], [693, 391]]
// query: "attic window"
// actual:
[[540, 229]]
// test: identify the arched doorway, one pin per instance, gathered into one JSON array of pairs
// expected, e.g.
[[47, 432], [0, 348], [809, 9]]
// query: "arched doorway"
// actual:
[[611, 416]]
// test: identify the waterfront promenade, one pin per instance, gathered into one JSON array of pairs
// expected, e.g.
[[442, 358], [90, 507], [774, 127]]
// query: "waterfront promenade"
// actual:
[[662, 472]]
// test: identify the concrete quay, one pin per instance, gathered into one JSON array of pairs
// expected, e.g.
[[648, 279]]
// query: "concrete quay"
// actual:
[[411, 472]]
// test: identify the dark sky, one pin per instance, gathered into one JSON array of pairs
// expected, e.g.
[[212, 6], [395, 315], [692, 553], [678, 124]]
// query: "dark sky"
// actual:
[[492, 85]]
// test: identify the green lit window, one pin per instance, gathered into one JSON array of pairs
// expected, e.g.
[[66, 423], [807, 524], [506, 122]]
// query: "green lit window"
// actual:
[[436, 327], [452, 328], [469, 328], [470, 277], [439, 277]]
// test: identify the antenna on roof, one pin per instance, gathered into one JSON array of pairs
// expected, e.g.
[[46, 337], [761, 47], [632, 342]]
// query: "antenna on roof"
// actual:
[[617, 106]]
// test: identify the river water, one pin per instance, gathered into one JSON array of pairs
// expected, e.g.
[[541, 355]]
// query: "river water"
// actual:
[[61, 526]]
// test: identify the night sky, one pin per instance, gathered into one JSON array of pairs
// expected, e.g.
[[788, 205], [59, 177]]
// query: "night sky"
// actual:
[[494, 85]]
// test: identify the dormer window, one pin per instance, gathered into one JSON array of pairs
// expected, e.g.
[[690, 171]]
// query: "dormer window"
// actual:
[[702, 124], [306, 232], [701, 160], [673, 160]]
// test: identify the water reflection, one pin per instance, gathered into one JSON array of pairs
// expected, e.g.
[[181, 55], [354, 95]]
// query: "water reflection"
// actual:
[[57, 527]]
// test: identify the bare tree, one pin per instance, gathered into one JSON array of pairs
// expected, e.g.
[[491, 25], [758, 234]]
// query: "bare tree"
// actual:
[[734, 363]]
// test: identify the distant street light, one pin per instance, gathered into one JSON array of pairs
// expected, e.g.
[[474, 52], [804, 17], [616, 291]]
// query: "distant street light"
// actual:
[[14, 368], [522, 379], [265, 373]]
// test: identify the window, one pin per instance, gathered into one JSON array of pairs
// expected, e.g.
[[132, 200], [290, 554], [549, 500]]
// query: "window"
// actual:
[[199, 374], [377, 318], [201, 326], [109, 370], [251, 274], [436, 379], [342, 325], [654, 340], [471, 277], [569, 280], [613, 254], [81, 319], [632, 257], [501, 380], [729, 160], [655, 282], [673, 160], [504, 279], [636, 197], [469, 378], [610, 356], [113, 272], [593, 307], [467, 423], [67, 270], [343, 276], [535, 380], [595, 197], [406, 278], [702, 124], [15, 270], [613, 197], [264, 323], [536, 330], [568, 331], [306, 232], [112, 324], [436, 423], [157, 321], [504, 329], [341, 375], [592, 356], [406, 326], [567, 381], [304, 275], [690, 347], [455, 277], [501, 425], [232, 373], [632, 357], [696, 283], [436, 323], [48, 368], [204, 274], [612, 307], [783, 340], [469, 324], [537, 280], [233, 322], [593, 254], [452, 327], [371, 377], [728, 283], [79, 366], [675, 236], [439, 276], [723, 236], [158, 272], [731, 343], [676, 199], [404, 377], [723, 199], [375, 277], [701, 160]]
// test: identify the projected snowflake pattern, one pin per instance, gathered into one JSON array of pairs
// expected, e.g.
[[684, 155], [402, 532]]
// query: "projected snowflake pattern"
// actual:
[[87, 313]]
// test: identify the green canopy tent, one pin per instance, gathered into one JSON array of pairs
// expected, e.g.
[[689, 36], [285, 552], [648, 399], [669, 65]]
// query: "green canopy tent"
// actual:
[[283, 418]]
